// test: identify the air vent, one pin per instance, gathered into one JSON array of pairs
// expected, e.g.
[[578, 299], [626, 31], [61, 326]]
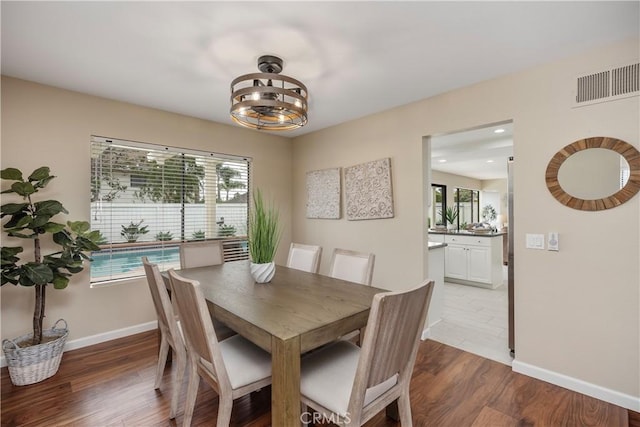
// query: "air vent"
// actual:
[[608, 85]]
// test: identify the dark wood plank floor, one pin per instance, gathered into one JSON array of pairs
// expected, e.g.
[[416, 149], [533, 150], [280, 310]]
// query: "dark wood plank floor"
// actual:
[[111, 384]]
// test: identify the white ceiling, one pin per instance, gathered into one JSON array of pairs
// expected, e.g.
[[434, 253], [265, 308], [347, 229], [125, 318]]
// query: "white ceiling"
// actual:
[[356, 58], [476, 153]]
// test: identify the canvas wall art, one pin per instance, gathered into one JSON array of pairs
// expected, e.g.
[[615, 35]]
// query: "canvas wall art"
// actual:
[[368, 190], [323, 194]]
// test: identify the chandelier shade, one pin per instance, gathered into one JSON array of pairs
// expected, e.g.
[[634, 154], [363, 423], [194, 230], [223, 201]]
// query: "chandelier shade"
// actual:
[[269, 100]]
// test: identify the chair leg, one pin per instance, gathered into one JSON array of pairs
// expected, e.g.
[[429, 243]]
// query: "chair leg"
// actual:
[[225, 405], [162, 360], [305, 417], [178, 379], [404, 407], [192, 393]]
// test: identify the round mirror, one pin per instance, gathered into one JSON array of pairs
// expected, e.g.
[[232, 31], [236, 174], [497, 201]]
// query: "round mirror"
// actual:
[[594, 173]]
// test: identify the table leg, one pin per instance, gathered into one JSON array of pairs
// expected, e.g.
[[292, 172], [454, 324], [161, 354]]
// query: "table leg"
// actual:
[[392, 411], [285, 389]]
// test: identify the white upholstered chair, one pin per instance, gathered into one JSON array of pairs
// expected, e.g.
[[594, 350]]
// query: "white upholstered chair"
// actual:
[[170, 336], [233, 368], [352, 266], [201, 254], [349, 384], [304, 257], [355, 267]]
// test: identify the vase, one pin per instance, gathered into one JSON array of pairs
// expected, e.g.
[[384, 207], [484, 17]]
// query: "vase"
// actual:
[[263, 273]]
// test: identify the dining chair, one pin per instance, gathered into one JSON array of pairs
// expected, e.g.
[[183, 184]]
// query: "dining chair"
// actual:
[[355, 267], [170, 335], [304, 257], [201, 254], [233, 367], [350, 384], [352, 266]]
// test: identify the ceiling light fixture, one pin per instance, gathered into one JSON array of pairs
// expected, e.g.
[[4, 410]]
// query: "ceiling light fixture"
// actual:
[[498, 130], [269, 100]]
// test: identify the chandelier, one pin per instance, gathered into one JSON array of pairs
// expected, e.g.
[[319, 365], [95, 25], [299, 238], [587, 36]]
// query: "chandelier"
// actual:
[[269, 100]]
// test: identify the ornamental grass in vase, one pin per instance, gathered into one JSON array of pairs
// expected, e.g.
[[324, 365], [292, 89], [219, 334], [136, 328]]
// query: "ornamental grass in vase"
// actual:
[[264, 236], [36, 356]]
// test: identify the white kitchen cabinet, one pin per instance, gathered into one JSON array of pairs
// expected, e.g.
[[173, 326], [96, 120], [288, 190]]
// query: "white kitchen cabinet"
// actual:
[[473, 260]]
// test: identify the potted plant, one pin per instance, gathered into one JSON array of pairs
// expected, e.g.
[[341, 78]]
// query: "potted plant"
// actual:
[[264, 236], [451, 215], [164, 236], [226, 230], [489, 213], [133, 231], [36, 356]]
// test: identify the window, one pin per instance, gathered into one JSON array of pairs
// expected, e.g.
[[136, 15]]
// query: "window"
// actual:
[[147, 199], [438, 204], [468, 204]]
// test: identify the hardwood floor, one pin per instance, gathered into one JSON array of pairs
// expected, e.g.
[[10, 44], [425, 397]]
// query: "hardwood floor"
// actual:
[[111, 384]]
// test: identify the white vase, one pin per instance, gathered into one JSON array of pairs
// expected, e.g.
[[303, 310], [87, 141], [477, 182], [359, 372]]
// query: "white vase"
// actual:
[[263, 273]]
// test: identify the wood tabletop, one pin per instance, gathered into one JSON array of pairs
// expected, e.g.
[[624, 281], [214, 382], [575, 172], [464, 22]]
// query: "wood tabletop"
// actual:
[[295, 303]]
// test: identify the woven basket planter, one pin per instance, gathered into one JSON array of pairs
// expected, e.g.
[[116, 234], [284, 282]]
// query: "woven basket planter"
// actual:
[[32, 364]]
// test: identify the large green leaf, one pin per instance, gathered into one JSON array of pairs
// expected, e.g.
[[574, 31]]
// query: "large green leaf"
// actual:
[[62, 238], [11, 208], [40, 220], [10, 250], [15, 219], [60, 282], [22, 235], [53, 227], [23, 188], [11, 173], [40, 274], [78, 227], [49, 207], [39, 174], [24, 222]]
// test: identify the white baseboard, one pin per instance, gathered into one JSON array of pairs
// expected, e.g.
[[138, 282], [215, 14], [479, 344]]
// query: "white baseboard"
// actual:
[[580, 386], [100, 338], [426, 333]]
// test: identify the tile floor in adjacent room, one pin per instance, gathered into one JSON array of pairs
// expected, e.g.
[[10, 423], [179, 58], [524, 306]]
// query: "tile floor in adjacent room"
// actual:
[[475, 320]]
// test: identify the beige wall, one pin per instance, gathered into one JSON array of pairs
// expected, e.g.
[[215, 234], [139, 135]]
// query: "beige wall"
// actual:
[[45, 126], [577, 310]]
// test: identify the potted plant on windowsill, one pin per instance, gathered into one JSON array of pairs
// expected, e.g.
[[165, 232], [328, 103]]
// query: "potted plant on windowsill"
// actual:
[[264, 236], [36, 356]]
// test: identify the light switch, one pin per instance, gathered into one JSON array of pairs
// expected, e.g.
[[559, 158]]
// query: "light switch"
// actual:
[[535, 241], [552, 243]]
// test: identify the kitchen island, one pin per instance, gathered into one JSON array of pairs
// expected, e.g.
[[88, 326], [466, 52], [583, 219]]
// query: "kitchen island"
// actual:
[[436, 273], [471, 258]]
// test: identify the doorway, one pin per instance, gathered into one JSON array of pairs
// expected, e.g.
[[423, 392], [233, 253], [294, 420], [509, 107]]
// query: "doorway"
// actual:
[[468, 171]]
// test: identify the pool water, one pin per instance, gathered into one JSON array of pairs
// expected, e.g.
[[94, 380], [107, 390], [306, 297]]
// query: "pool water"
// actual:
[[112, 264]]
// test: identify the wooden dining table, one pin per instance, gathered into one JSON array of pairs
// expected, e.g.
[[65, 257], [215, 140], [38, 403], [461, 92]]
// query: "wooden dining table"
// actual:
[[294, 313]]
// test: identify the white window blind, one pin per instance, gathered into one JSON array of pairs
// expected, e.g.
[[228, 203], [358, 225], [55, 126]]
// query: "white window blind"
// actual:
[[148, 199]]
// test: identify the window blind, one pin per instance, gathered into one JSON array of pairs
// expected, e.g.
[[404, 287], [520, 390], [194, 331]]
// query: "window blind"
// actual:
[[147, 199]]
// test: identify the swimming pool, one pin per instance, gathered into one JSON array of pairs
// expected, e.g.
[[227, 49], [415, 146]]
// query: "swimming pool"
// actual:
[[113, 264]]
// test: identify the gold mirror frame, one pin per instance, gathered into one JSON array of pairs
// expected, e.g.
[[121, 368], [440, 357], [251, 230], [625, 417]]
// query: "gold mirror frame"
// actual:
[[631, 188]]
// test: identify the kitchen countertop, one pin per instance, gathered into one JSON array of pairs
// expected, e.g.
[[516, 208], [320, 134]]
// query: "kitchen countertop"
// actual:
[[469, 233]]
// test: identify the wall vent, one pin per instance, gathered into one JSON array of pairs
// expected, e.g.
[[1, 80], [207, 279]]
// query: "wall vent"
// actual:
[[608, 85]]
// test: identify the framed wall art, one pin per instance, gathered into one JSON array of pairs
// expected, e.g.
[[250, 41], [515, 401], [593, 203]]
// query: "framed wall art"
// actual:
[[368, 190], [323, 194]]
